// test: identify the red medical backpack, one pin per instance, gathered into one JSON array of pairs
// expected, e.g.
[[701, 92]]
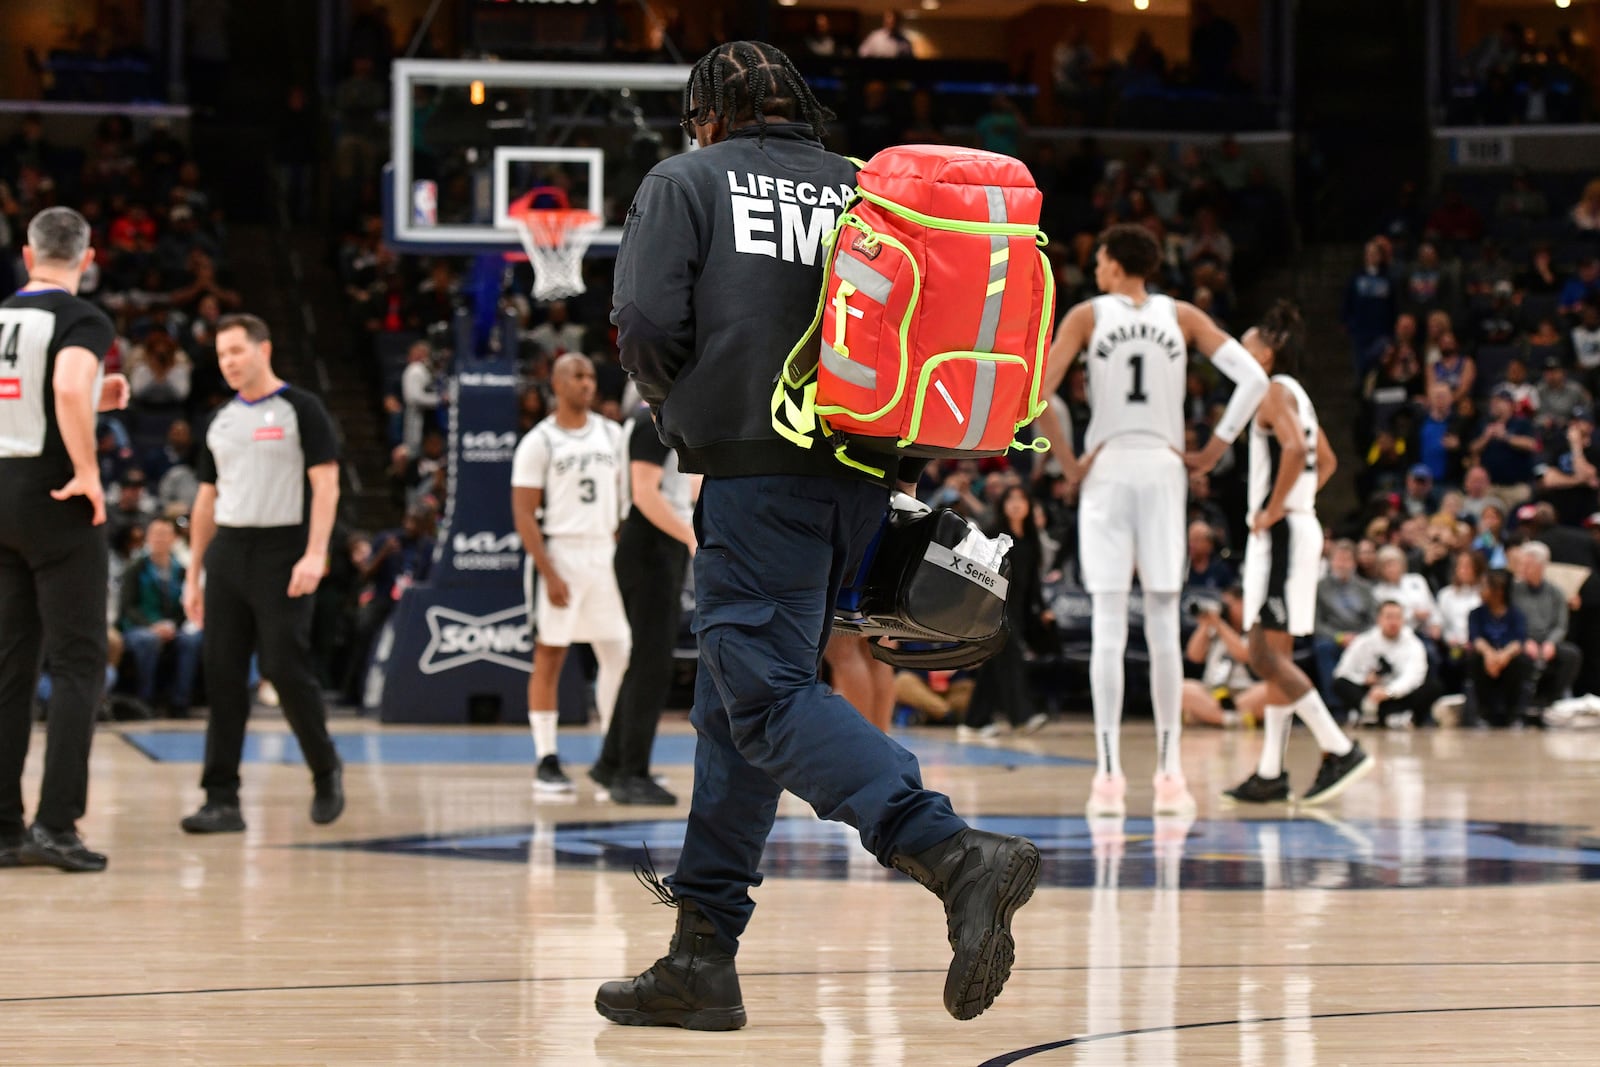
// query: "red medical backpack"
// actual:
[[936, 312]]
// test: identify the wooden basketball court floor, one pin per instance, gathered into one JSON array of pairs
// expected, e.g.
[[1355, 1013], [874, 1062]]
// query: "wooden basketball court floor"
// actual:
[[1443, 912]]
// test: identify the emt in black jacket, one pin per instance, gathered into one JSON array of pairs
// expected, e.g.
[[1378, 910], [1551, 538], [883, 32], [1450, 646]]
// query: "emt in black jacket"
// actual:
[[717, 277]]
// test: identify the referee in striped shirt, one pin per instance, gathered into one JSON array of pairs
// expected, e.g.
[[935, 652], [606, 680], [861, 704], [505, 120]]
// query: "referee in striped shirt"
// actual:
[[269, 487]]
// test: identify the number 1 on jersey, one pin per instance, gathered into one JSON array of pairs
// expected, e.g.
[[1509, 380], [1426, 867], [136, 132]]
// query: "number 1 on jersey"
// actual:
[[1137, 394]]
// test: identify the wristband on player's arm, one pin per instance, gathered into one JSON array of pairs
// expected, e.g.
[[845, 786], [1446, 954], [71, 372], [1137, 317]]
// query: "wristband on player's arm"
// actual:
[[1250, 386]]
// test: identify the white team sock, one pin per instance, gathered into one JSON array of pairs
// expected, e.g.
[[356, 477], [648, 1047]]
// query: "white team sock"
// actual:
[[1162, 636], [612, 656], [544, 733], [1315, 714], [1275, 738], [1110, 627]]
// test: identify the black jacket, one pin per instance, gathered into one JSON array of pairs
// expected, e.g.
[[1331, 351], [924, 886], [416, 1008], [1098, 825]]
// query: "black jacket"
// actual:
[[717, 277]]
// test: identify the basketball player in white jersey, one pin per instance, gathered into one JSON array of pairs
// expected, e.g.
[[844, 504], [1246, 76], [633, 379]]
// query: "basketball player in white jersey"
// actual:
[[1132, 509], [1290, 461], [570, 468]]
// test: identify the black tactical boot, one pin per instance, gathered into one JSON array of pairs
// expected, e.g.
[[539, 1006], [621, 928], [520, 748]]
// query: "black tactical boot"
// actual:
[[694, 986], [983, 879]]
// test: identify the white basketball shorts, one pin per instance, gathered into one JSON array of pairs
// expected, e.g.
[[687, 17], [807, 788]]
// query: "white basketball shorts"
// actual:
[[1281, 566], [1133, 514], [594, 610]]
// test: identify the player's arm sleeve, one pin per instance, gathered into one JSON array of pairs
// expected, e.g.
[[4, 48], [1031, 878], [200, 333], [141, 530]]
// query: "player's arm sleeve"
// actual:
[[1250, 386], [653, 300], [318, 439], [530, 461], [91, 331]]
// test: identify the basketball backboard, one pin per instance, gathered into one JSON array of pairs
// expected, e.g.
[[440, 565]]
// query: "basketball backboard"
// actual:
[[469, 137]]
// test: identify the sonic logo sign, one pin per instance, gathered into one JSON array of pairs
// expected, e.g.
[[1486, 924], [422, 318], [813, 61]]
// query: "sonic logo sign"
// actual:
[[488, 447], [487, 551], [456, 639]]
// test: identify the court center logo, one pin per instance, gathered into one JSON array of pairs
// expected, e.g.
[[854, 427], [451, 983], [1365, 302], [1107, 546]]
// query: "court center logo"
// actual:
[[456, 639], [1314, 852]]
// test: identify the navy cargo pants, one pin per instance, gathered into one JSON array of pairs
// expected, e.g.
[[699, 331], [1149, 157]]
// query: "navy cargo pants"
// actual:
[[774, 552]]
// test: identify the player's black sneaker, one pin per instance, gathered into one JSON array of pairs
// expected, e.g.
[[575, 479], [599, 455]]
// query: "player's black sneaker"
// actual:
[[65, 851], [1258, 790], [643, 791], [694, 985], [550, 778], [1337, 774], [215, 818], [327, 803], [983, 878]]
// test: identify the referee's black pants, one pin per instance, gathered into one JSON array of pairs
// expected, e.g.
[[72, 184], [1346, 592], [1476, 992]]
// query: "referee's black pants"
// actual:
[[52, 604], [650, 569], [249, 610]]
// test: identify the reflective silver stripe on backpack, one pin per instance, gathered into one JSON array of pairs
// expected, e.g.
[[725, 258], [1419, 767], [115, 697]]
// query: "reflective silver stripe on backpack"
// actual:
[[868, 282], [989, 324], [848, 370]]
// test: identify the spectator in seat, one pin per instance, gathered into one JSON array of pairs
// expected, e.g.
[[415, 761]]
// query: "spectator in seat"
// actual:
[[419, 395], [1497, 667], [820, 41], [153, 622], [1539, 278], [1427, 288], [1560, 398], [888, 41], [1552, 659], [1457, 602], [1586, 212], [1369, 307], [1398, 586], [1207, 570], [160, 373], [1501, 321], [557, 334], [1490, 538], [1488, 270], [1583, 286], [1585, 340], [1208, 241], [1420, 499], [133, 505], [1570, 472], [1226, 693], [1506, 447], [1524, 393], [1001, 128], [1476, 489], [1440, 437], [1384, 672], [398, 560], [1455, 219], [1522, 200], [1345, 607]]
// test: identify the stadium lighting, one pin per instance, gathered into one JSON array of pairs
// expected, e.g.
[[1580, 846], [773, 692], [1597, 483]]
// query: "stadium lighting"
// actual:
[[477, 93], [930, 5], [1141, 5], [1563, 4]]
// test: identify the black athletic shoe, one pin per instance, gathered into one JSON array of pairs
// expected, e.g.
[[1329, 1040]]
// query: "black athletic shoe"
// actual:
[[643, 791], [64, 851], [983, 878], [1258, 790], [328, 803], [694, 985], [550, 778], [10, 843], [1337, 774], [215, 818]]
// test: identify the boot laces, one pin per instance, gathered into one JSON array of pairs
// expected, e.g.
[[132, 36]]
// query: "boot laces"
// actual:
[[646, 874]]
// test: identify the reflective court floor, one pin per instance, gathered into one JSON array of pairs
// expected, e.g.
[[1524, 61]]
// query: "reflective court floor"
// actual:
[[1444, 911]]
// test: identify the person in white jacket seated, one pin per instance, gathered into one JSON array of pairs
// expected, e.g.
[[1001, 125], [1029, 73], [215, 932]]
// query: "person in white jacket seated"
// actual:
[[1408, 589], [1384, 672]]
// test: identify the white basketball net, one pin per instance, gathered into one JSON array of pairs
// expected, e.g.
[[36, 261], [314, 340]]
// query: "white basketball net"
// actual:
[[555, 243]]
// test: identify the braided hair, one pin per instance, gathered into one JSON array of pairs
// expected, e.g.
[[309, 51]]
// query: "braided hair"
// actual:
[[750, 81]]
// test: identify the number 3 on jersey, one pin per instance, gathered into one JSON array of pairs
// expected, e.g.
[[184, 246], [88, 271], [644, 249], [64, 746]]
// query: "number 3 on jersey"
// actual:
[[586, 491]]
